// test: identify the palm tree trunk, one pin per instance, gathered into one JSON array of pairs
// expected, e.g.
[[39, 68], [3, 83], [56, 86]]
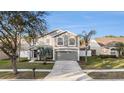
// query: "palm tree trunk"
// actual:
[[119, 52], [86, 54]]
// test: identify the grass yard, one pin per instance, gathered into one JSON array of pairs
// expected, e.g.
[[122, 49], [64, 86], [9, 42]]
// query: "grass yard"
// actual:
[[102, 63], [22, 75], [107, 75], [6, 64]]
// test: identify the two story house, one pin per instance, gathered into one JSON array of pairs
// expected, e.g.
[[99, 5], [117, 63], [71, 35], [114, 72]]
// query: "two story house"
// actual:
[[64, 44]]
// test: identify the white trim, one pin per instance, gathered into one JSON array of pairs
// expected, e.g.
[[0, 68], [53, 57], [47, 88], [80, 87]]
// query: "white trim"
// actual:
[[53, 54], [71, 33], [57, 41], [66, 50], [78, 45], [69, 41], [78, 40], [64, 47]]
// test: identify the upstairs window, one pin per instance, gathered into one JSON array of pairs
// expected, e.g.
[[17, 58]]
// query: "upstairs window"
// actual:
[[60, 41], [72, 41]]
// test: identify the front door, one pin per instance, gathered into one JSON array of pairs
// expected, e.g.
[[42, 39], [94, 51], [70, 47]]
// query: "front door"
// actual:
[[35, 53], [93, 52]]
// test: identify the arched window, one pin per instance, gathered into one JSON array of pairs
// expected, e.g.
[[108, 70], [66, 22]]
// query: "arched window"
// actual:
[[72, 41]]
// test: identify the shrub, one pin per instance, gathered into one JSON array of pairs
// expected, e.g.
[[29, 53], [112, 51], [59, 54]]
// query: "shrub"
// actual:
[[107, 56], [24, 59]]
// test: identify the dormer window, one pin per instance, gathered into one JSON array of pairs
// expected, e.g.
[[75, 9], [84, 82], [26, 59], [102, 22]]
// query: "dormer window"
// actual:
[[60, 41], [72, 42]]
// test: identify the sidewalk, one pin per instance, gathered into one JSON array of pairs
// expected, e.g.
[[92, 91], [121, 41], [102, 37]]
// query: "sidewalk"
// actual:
[[102, 70], [38, 70], [49, 70]]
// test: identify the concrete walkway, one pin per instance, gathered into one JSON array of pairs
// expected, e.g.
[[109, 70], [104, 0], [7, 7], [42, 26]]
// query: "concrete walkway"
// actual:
[[67, 70]]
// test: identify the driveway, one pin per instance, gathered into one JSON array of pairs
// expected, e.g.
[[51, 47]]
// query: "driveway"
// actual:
[[67, 70]]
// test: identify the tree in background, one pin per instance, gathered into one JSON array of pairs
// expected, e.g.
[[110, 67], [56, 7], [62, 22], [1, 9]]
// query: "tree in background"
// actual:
[[120, 48], [14, 23], [86, 37], [113, 36]]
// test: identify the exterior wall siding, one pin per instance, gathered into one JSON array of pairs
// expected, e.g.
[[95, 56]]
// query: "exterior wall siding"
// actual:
[[82, 53], [66, 40], [25, 54]]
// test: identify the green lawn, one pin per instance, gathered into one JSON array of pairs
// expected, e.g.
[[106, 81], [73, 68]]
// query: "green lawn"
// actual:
[[22, 75], [102, 63], [6, 64], [107, 75]]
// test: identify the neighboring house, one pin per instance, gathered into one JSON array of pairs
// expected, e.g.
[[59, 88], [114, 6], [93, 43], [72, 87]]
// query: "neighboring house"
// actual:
[[107, 45], [102, 46], [3, 55], [24, 52], [65, 45], [94, 49]]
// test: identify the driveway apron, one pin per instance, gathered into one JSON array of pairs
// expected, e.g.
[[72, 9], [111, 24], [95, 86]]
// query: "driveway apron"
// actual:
[[67, 70]]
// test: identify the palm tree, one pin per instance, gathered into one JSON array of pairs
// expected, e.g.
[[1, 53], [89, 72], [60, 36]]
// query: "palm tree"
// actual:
[[85, 37]]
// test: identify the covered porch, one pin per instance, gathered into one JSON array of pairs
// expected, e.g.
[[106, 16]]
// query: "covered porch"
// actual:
[[41, 53]]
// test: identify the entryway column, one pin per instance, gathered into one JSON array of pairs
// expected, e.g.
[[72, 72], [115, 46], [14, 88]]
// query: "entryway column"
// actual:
[[78, 40], [78, 55], [53, 54]]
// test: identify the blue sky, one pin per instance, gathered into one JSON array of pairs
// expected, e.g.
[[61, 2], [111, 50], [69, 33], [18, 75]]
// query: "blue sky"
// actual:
[[105, 23]]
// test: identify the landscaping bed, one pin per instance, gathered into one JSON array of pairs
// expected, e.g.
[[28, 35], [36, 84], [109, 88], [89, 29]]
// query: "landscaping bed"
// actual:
[[107, 75], [102, 63], [22, 75]]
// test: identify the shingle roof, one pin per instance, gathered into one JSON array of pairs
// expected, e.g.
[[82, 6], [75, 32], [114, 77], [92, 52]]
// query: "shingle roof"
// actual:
[[107, 40], [60, 34], [50, 32]]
